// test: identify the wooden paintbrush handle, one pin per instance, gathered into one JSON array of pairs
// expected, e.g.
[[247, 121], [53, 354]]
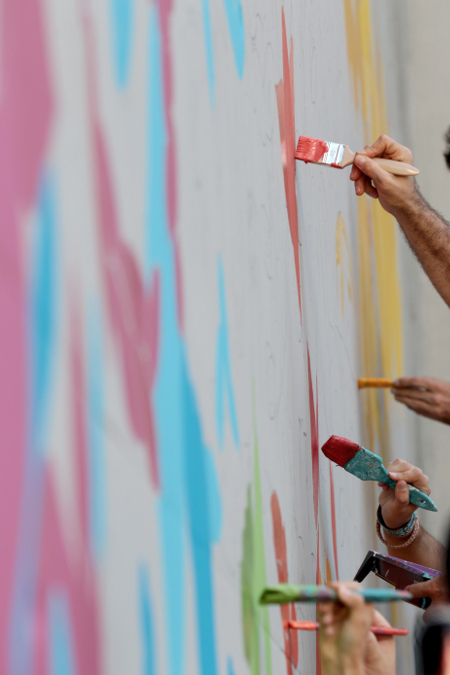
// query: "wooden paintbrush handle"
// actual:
[[365, 382], [396, 168]]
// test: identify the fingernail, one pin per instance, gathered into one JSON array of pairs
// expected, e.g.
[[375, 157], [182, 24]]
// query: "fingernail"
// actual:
[[360, 160], [393, 475], [396, 383], [358, 190]]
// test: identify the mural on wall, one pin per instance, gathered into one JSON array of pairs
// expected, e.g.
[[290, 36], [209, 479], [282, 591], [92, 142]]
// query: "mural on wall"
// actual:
[[148, 494]]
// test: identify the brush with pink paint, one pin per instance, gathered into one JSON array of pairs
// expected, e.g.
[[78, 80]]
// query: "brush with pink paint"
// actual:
[[337, 155]]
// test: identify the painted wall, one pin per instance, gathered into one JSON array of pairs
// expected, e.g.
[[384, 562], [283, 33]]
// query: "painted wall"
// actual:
[[185, 314]]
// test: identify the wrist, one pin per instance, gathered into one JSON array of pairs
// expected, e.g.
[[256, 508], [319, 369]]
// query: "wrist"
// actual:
[[396, 527], [413, 205]]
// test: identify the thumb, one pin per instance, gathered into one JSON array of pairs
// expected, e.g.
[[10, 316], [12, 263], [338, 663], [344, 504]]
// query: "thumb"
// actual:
[[402, 492], [423, 589], [371, 168]]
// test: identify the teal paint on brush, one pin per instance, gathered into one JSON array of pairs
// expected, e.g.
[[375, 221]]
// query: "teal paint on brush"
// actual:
[[286, 593], [365, 465]]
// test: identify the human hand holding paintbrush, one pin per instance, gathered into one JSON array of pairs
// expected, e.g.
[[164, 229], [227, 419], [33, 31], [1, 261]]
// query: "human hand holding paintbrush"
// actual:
[[426, 396], [365, 465], [396, 507], [347, 644]]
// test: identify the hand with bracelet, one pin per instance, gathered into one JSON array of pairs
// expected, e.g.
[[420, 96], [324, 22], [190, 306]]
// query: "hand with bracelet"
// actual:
[[404, 537]]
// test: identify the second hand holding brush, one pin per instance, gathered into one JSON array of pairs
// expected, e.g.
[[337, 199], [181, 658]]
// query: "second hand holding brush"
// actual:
[[365, 465]]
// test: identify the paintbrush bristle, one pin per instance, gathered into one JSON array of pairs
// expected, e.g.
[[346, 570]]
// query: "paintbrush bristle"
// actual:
[[320, 152], [310, 149], [340, 450]]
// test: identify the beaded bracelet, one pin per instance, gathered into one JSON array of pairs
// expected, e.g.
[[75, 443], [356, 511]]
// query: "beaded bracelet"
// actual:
[[402, 531], [410, 540]]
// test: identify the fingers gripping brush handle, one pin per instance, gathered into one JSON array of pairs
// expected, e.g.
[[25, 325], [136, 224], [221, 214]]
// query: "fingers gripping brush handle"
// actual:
[[368, 466], [365, 465]]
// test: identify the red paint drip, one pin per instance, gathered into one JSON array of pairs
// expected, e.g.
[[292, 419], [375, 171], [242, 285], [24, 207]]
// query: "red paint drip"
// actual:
[[310, 149], [133, 308], [287, 611], [286, 119], [333, 522], [314, 424]]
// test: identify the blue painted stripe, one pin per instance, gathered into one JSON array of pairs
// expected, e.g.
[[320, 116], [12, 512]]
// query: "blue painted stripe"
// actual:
[[224, 383], [167, 393], [146, 621], [122, 15], [209, 48], [42, 312], [233, 9], [60, 635]]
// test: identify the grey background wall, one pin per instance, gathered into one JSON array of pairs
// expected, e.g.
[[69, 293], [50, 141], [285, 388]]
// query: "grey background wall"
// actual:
[[185, 313]]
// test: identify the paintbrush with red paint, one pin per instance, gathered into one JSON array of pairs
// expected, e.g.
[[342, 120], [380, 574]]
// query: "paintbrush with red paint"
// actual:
[[376, 630], [365, 465], [337, 155]]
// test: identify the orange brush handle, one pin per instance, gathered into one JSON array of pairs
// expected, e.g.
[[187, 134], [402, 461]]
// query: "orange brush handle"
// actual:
[[376, 630], [365, 382]]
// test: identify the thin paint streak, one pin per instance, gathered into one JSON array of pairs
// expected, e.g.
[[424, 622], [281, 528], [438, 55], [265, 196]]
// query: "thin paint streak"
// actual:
[[97, 459], [333, 522], [233, 9], [287, 611], [314, 424], [230, 669], [286, 118], [379, 287], [207, 28], [42, 329], [60, 634], [122, 38], [318, 583], [329, 576], [146, 623], [223, 369], [342, 245], [253, 576], [26, 110]]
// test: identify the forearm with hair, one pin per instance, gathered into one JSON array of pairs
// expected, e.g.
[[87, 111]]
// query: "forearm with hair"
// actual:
[[428, 234], [425, 550]]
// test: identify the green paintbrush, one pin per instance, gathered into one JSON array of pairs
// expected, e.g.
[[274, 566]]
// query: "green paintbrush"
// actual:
[[284, 593]]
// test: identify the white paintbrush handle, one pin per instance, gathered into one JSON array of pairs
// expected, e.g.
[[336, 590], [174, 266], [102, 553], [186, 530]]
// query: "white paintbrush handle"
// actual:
[[396, 168]]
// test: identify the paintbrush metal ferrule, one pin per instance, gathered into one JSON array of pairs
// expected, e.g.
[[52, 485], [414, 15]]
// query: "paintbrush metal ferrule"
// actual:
[[333, 156], [286, 593]]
